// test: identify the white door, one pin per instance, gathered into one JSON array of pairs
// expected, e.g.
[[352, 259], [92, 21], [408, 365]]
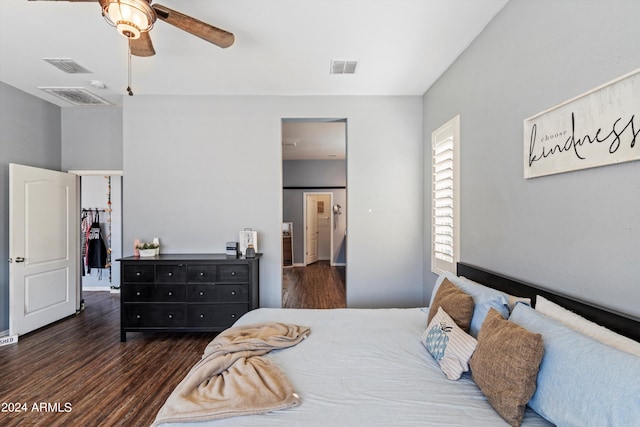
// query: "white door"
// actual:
[[43, 247], [311, 253]]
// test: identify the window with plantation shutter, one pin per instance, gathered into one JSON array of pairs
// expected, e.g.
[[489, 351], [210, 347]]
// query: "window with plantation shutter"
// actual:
[[445, 212]]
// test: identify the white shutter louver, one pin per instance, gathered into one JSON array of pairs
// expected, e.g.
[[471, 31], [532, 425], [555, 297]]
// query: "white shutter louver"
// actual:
[[444, 253]]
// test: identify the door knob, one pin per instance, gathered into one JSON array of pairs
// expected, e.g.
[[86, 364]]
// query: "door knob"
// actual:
[[19, 259]]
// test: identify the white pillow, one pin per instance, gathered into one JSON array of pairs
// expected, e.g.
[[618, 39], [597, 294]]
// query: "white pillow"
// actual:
[[586, 327], [448, 344], [513, 300]]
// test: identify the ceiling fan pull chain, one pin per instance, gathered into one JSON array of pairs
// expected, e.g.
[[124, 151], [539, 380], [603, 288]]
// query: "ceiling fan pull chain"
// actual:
[[129, 69]]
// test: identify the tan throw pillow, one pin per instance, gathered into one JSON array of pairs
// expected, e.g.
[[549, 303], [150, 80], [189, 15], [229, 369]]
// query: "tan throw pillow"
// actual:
[[505, 365], [457, 304]]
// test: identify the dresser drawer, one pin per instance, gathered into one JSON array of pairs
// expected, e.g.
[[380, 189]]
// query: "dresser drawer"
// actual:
[[153, 293], [215, 315], [155, 315], [218, 293], [201, 273], [171, 273], [139, 273], [233, 273], [186, 292]]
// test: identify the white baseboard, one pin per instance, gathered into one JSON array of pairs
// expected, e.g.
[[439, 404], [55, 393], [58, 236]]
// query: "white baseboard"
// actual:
[[339, 264], [96, 288]]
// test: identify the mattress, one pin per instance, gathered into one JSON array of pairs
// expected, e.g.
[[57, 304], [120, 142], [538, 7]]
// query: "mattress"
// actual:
[[368, 367]]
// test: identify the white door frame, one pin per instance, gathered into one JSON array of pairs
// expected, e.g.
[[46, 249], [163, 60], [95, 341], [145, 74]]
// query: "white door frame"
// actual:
[[306, 194], [81, 173]]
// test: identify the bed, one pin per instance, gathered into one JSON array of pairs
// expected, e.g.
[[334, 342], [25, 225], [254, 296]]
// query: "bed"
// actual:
[[370, 367]]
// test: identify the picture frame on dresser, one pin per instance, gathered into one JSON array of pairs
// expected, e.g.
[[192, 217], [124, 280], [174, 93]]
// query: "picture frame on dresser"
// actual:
[[186, 292], [247, 237]]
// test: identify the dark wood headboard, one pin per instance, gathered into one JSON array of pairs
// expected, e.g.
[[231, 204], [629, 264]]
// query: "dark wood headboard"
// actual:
[[618, 322]]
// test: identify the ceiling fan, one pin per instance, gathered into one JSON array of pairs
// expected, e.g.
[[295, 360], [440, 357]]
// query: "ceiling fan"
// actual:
[[134, 18]]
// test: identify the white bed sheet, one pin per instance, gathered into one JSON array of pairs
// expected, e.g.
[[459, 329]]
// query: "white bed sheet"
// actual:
[[367, 367]]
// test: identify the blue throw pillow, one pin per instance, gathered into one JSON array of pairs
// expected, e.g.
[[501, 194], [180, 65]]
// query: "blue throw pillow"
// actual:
[[581, 381], [484, 299]]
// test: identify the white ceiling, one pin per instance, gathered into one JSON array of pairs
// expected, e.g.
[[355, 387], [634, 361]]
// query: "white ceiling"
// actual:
[[314, 140], [282, 47]]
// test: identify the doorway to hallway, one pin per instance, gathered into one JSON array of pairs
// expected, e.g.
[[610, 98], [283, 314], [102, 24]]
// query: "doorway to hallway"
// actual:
[[314, 204]]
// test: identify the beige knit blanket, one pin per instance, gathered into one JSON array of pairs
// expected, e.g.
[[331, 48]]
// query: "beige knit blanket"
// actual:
[[232, 379]]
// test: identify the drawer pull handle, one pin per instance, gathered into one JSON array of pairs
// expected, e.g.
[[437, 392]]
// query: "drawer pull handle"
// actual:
[[233, 273], [202, 316], [201, 293], [170, 274], [202, 273], [138, 293], [170, 293], [138, 316], [233, 316], [233, 292], [170, 316], [138, 273]]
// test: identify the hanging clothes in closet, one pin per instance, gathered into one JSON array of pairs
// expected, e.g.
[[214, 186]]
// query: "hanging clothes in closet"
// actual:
[[96, 249]]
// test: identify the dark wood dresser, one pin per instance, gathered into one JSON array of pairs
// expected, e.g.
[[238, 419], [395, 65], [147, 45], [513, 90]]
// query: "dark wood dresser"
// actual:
[[186, 292]]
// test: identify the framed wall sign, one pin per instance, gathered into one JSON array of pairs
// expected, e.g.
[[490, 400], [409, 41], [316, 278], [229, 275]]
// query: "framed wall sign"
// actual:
[[600, 127]]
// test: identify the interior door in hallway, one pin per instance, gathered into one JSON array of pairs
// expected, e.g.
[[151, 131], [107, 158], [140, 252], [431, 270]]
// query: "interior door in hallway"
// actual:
[[311, 224], [43, 247]]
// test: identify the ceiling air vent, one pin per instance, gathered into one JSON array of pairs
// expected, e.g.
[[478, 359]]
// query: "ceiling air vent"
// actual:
[[343, 67], [67, 65], [76, 95]]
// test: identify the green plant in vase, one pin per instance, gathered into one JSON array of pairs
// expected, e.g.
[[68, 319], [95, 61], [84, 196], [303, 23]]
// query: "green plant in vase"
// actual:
[[147, 248]]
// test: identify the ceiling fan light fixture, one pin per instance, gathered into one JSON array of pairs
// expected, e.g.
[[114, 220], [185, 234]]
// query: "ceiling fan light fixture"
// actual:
[[130, 17]]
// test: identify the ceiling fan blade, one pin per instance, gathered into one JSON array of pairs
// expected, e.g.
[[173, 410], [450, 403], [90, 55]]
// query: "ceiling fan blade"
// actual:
[[194, 26], [142, 46]]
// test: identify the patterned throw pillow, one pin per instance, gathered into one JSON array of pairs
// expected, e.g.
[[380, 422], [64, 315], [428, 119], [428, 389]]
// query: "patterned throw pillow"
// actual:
[[448, 344]]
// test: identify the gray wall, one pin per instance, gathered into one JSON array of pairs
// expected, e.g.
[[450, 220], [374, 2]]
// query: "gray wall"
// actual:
[[314, 173], [578, 232], [30, 134], [92, 138], [197, 169]]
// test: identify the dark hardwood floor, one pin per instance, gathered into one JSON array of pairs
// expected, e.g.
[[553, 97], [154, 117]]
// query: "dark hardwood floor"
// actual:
[[318, 285], [77, 372]]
